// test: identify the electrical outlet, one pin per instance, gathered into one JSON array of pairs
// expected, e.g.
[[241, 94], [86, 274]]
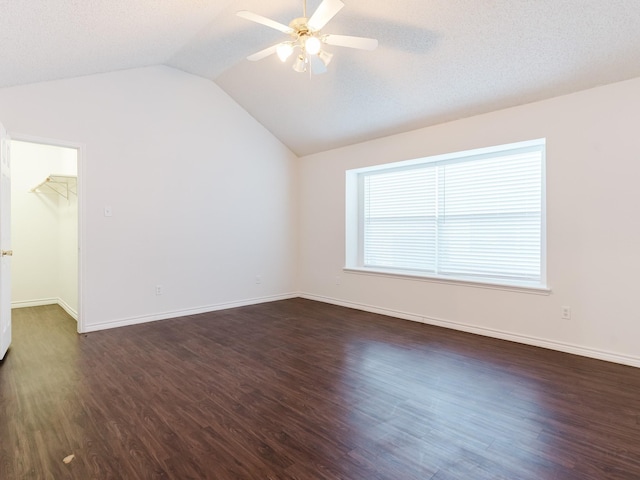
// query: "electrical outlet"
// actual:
[[338, 280], [565, 313], [158, 289], [258, 279]]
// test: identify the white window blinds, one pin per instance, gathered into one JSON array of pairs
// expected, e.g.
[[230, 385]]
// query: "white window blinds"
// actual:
[[473, 217]]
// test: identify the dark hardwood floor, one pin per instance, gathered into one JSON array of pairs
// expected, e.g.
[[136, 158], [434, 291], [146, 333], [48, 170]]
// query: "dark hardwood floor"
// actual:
[[303, 390]]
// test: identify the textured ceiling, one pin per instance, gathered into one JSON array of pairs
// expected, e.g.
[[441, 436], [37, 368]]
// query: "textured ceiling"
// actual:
[[438, 59]]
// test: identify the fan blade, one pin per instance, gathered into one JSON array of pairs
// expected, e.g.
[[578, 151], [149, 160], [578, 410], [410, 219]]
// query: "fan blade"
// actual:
[[325, 12], [263, 53], [254, 17], [317, 65], [351, 42]]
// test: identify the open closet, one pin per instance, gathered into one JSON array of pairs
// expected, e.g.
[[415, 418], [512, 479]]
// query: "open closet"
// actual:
[[44, 226]]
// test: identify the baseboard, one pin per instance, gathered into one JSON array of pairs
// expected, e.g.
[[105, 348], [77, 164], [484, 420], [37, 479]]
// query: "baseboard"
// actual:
[[47, 301], [487, 332], [34, 303], [67, 308], [125, 322]]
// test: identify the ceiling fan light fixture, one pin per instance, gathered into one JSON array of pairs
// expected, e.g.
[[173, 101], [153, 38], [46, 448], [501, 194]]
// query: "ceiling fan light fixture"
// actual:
[[284, 51], [326, 57], [300, 65], [312, 45], [306, 38]]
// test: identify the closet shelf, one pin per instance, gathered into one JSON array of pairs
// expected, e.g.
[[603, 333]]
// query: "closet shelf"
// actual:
[[63, 185]]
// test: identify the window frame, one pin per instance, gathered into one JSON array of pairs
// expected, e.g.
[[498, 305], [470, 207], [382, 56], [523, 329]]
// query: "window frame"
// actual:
[[354, 227]]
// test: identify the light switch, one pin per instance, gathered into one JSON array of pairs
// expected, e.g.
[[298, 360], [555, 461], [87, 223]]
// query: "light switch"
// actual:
[[108, 212]]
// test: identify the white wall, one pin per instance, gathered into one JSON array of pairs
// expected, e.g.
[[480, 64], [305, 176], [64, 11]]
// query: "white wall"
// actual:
[[202, 195], [68, 237], [593, 198]]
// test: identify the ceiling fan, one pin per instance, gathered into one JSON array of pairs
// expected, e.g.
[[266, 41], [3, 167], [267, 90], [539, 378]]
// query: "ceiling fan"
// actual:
[[306, 38]]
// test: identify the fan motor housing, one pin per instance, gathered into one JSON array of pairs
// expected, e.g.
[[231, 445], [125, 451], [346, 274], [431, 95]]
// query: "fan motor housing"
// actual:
[[299, 26]]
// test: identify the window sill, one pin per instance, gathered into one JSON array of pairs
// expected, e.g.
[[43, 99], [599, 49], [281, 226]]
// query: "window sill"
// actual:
[[534, 290]]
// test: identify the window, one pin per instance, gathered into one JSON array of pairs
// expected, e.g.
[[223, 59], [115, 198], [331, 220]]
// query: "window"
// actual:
[[471, 216]]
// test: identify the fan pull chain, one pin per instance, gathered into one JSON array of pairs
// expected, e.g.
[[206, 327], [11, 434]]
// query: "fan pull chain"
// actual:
[[304, 8]]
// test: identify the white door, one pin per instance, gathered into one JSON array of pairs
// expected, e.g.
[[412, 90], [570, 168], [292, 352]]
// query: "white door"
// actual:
[[5, 244]]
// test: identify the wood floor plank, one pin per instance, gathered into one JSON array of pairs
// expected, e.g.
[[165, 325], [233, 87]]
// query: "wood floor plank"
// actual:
[[297, 390]]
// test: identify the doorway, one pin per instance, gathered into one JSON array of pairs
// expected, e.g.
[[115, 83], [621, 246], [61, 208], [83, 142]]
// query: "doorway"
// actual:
[[44, 226]]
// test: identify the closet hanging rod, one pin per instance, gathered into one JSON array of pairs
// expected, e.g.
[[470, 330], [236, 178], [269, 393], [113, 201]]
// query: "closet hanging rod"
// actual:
[[63, 185]]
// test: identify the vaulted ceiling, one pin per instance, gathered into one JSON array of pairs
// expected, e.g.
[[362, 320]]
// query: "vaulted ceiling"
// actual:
[[437, 60]]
